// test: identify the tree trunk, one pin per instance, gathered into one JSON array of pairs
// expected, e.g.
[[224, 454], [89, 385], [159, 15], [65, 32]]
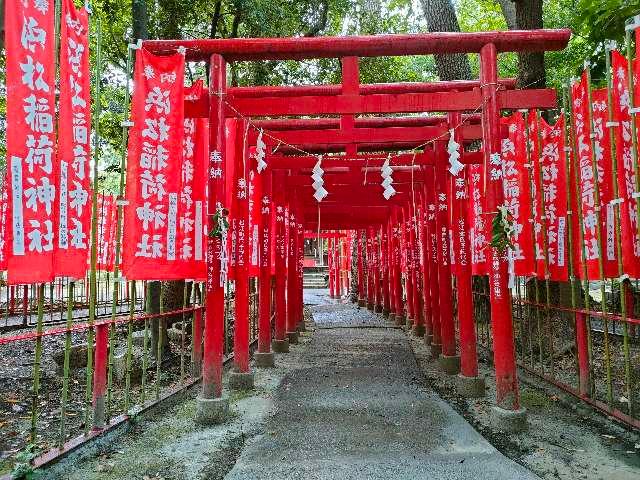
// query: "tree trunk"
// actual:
[[158, 326], [140, 19], [441, 17], [1, 24], [526, 15], [140, 31], [509, 12]]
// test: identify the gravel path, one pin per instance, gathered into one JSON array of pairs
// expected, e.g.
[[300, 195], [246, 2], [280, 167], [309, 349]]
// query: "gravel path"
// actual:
[[356, 408]]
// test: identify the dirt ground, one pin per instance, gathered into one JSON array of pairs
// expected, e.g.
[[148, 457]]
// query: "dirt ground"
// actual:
[[566, 440]]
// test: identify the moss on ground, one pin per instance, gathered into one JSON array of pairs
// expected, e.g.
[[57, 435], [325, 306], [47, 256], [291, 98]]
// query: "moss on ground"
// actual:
[[532, 399]]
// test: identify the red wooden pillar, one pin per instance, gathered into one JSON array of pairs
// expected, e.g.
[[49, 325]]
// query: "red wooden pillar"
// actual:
[[337, 265], [507, 393], [449, 361], [397, 268], [264, 316], [434, 290], [378, 270], [347, 250], [384, 253], [292, 274], [370, 270], [100, 376], [25, 303], [241, 218], [280, 343], [582, 347], [425, 269], [300, 269], [216, 245], [330, 267], [408, 254], [390, 261], [459, 192], [360, 253]]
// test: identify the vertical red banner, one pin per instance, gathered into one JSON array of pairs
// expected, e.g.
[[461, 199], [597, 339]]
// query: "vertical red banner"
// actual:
[[626, 166], [478, 221], [107, 223], [516, 193], [255, 196], [32, 172], [74, 150], [602, 153], [191, 238], [154, 169], [594, 210], [3, 225], [550, 171]]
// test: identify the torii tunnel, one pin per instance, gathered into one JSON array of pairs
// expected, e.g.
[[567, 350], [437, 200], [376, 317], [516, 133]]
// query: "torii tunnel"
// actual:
[[355, 127]]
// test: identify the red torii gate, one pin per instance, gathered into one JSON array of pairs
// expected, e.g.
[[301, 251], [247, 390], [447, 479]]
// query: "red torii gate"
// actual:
[[351, 101]]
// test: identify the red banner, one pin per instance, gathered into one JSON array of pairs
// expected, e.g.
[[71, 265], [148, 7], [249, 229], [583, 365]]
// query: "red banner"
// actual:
[[602, 152], [3, 225], [460, 252], [626, 166], [191, 235], [32, 171], [154, 169], [478, 221], [255, 196], [517, 182], [551, 205], [74, 150], [590, 204], [107, 223]]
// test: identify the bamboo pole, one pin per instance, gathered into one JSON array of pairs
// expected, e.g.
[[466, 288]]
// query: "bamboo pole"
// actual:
[[617, 229], [585, 278], [132, 311], [539, 199], [67, 352], [573, 279], [36, 365], [596, 188], [94, 222], [545, 238]]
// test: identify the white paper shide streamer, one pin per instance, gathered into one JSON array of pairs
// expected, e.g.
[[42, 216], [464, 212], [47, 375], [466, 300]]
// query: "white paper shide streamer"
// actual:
[[318, 182], [453, 148], [387, 180], [260, 153]]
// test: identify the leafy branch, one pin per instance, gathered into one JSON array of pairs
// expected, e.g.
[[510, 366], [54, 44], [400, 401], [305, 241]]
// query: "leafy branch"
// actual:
[[221, 223], [502, 230]]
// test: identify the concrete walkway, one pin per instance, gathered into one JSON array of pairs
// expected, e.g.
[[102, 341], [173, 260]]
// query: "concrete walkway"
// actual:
[[356, 409]]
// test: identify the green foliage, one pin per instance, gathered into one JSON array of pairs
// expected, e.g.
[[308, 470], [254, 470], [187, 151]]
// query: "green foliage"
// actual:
[[502, 230], [22, 469]]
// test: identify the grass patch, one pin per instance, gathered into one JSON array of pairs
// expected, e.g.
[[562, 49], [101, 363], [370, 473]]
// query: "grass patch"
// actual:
[[534, 399]]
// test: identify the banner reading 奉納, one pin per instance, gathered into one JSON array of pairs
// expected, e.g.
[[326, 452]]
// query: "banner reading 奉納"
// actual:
[[191, 235]]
